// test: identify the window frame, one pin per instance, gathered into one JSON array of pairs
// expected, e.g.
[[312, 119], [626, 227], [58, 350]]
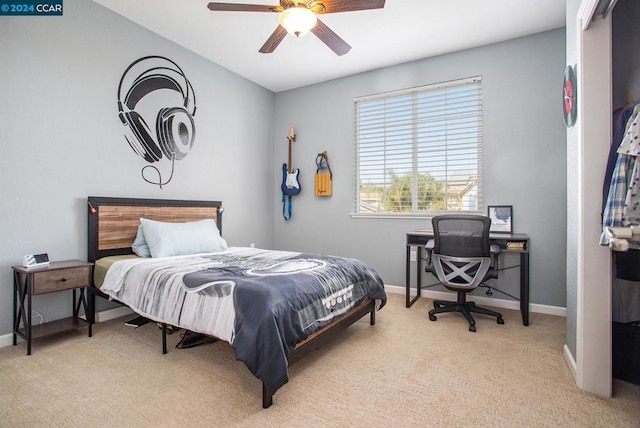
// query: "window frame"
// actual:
[[416, 171]]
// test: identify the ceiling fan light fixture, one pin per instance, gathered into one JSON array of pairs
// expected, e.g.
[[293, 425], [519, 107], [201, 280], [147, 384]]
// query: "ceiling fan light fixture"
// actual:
[[298, 21]]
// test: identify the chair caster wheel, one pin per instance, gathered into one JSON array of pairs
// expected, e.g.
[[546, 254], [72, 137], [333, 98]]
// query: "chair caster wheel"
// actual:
[[432, 317], [472, 328], [500, 320]]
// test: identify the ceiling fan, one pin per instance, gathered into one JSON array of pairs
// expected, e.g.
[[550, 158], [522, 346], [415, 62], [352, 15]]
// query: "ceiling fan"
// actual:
[[297, 17]]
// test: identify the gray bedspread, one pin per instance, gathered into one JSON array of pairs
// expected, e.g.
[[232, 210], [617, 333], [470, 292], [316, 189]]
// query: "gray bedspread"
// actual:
[[263, 302]]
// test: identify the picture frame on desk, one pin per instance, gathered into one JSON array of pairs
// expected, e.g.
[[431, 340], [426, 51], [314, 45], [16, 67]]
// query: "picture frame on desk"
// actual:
[[501, 218]]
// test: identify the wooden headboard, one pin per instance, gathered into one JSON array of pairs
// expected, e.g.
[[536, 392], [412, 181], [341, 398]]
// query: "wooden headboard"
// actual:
[[113, 222]]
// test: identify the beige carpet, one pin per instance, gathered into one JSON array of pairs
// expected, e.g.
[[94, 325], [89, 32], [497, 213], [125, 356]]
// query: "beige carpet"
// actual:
[[404, 371]]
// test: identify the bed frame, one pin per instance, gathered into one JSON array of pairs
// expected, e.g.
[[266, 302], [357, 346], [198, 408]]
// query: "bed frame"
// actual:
[[113, 225], [112, 228]]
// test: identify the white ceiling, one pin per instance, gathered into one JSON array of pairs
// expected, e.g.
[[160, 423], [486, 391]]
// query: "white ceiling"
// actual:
[[405, 30]]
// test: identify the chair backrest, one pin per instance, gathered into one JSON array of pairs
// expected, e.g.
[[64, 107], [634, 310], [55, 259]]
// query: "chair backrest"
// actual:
[[461, 254], [461, 235]]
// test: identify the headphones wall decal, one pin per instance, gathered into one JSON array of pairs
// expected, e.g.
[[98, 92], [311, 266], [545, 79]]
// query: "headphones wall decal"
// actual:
[[174, 131]]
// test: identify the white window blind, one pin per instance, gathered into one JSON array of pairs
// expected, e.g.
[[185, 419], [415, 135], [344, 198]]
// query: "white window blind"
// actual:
[[420, 150]]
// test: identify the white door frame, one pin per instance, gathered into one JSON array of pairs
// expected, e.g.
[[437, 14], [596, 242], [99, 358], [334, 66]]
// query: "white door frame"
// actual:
[[593, 324]]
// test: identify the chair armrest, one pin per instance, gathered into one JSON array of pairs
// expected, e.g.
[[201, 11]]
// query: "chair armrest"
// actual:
[[495, 249], [428, 266]]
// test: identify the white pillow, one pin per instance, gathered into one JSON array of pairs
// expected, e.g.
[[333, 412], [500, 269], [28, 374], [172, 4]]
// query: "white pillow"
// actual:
[[140, 246], [176, 239]]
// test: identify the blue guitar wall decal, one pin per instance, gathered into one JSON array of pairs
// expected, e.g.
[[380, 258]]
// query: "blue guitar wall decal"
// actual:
[[290, 184]]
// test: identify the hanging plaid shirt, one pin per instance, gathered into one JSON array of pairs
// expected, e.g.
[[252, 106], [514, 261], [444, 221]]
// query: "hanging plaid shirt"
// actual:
[[630, 146]]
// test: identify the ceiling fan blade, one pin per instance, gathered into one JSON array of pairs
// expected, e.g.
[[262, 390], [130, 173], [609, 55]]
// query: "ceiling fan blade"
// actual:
[[235, 7], [331, 39], [335, 6], [274, 40]]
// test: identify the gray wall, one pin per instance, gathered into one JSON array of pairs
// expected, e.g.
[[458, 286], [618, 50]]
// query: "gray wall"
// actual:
[[62, 139], [524, 158]]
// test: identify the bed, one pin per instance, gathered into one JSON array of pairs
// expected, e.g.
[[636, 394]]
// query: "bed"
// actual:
[[273, 307]]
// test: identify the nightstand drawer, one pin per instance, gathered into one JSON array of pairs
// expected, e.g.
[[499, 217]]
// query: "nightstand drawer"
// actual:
[[61, 279]]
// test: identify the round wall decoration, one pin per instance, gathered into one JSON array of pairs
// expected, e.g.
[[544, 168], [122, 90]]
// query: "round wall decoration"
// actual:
[[569, 100]]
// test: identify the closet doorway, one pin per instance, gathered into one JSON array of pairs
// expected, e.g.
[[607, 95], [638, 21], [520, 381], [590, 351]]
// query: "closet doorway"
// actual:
[[609, 77]]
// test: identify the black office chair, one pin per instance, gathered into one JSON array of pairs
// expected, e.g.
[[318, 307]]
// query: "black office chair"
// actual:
[[462, 258]]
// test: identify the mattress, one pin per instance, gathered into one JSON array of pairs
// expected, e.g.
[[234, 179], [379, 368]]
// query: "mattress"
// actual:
[[102, 266]]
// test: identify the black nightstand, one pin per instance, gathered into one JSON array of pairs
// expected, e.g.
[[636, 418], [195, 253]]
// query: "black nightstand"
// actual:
[[58, 276]]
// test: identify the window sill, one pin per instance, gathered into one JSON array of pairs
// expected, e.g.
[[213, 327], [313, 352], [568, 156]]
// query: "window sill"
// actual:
[[408, 216]]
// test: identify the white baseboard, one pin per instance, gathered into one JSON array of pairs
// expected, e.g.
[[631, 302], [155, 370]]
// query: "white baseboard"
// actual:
[[7, 339], [114, 313], [571, 362], [495, 302]]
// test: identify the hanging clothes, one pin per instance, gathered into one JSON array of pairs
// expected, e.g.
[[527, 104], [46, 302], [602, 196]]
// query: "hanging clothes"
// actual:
[[623, 202], [620, 118], [630, 146], [622, 209]]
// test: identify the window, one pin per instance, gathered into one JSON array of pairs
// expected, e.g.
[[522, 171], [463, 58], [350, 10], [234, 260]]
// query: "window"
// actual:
[[420, 150]]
